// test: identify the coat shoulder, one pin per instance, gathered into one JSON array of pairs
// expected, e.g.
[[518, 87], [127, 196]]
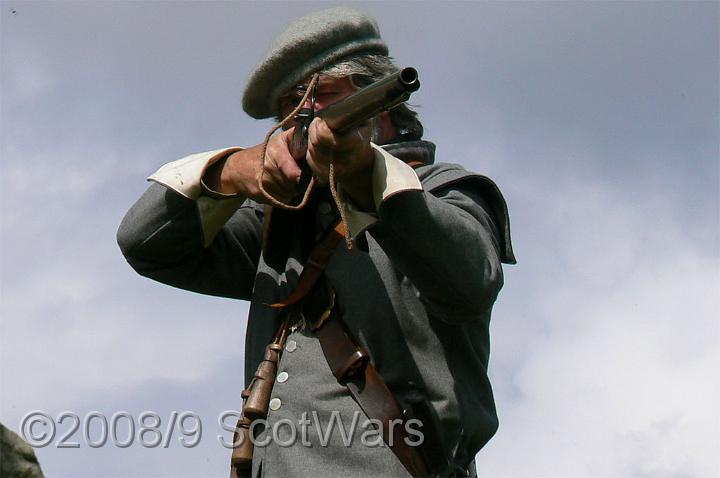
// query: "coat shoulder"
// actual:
[[435, 177]]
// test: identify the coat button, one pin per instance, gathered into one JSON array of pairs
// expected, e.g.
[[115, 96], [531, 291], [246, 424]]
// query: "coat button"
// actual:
[[282, 377], [275, 404], [291, 346]]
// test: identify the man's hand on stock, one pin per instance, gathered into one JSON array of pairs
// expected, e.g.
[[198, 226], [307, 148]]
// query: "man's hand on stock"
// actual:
[[352, 158], [238, 173]]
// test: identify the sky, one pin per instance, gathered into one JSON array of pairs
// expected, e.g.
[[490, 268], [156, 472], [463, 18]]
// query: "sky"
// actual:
[[598, 120]]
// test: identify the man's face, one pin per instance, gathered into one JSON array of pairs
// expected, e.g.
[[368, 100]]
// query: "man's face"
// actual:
[[329, 90]]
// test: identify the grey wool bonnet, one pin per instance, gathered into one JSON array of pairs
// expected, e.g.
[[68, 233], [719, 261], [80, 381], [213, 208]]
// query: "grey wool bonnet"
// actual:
[[306, 46]]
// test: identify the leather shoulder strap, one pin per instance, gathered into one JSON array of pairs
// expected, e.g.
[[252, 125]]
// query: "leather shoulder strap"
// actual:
[[351, 367], [314, 266]]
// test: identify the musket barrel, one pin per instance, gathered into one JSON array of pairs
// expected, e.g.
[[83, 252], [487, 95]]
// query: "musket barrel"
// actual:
[[375, 98]]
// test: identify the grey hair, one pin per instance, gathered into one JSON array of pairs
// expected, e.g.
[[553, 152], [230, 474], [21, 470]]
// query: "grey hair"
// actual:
[[368, 68]]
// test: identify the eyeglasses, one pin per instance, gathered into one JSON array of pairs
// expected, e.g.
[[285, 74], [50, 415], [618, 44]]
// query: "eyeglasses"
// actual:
[[290, 101]]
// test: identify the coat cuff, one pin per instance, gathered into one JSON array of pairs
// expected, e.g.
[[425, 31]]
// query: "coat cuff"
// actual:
[[185, 177], [390, 176]]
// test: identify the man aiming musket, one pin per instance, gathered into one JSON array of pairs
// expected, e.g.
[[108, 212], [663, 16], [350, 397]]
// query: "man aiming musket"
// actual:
[[365, 359]]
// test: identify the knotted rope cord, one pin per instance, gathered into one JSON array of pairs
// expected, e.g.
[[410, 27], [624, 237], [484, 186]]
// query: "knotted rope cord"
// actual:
[[336, 198], [331, 173]]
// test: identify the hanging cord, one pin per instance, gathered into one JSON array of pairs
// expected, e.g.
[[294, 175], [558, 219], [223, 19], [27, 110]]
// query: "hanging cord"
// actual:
[[336, 198], [331, 173]]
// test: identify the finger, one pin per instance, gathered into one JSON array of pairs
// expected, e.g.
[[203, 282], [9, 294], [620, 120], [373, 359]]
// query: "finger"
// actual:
[[319, 163], [277, 185], [279, 153], [276, 180], [323, 138], [319, 153]]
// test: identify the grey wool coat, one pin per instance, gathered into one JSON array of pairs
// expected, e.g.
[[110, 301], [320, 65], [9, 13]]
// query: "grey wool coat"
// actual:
[[417, 291]]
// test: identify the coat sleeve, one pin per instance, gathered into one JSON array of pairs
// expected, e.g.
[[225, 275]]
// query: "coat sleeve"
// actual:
[[447, 243], [163, 237]]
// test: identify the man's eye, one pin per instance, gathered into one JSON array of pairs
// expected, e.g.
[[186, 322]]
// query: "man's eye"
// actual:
[[290, 102]]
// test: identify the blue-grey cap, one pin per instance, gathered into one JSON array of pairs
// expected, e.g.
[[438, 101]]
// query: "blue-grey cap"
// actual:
[[306, 46]]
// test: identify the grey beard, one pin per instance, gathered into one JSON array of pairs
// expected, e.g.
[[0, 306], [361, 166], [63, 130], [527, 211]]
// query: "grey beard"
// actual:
[[376, 131]]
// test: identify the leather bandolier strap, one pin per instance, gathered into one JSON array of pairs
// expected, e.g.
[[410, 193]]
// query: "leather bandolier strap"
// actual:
[[314, 266], [351, 367], [349, 362], [257, 396]]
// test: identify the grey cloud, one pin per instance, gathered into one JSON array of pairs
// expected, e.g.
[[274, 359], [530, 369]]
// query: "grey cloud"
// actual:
[[598, 120]]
